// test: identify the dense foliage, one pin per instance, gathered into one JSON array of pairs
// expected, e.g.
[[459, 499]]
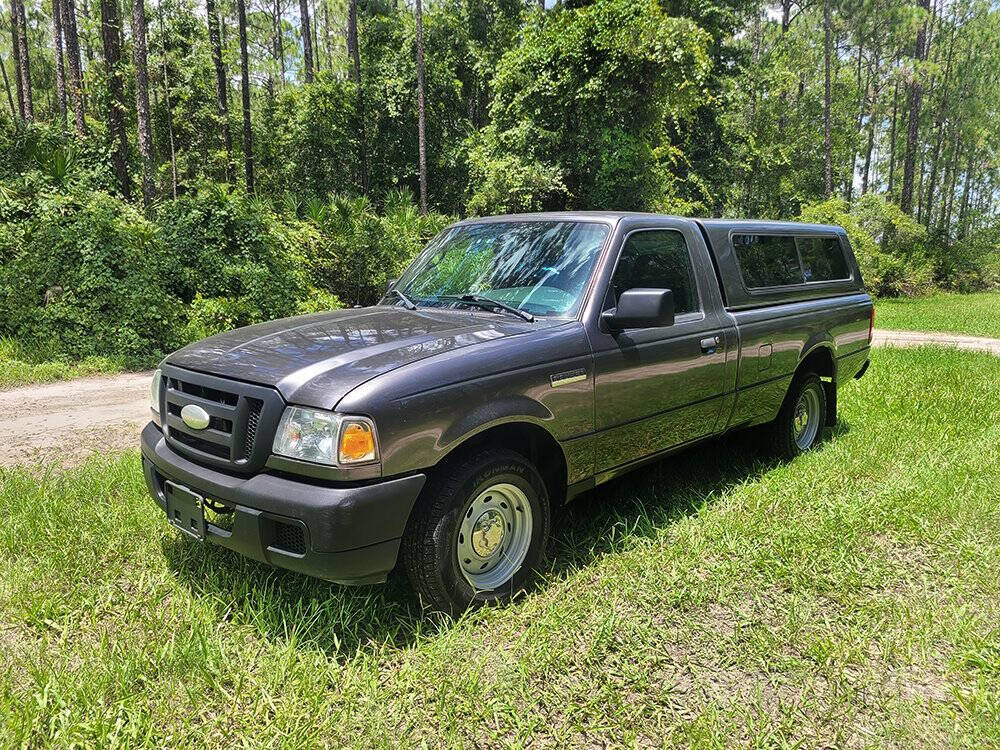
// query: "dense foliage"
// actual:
[[86, 273], [877, 114]]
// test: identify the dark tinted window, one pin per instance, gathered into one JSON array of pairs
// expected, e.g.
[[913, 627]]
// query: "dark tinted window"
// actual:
[[822, 259], [767, 260], [658, 259]]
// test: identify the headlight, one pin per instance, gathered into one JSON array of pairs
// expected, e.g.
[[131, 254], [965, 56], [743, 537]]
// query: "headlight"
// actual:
[[154, 391], [324, 437]]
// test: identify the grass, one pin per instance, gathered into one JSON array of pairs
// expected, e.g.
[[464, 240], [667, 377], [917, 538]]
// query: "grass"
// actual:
[[849, 598], [971, 314], [20, 366]]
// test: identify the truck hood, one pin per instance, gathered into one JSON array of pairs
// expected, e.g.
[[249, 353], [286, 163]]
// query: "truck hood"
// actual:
[[315, 360]]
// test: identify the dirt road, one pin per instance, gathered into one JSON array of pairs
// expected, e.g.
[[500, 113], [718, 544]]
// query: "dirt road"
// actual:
[[921, 338], [64, 423]]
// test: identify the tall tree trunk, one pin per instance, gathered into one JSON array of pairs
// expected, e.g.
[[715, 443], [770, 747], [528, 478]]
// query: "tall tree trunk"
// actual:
[[15, 45], [142, 97], [827, 148], [872, 111], [281, 40], [786, 22], [10, 97], [326, 35], [88, 50], [314, 19], [57, 40], [892, 139], [24, 63], [274, 39], [956, 154], [862, 97], [245, 88], [939, 126], [166, 102], [68, 11], [221, 87], [110, 39], [913, 126], [307, 46], [963, 211], [421, 128], [354, 48]]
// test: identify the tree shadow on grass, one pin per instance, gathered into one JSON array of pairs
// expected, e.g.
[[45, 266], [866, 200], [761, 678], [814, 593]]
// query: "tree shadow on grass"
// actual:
[[341, 620]]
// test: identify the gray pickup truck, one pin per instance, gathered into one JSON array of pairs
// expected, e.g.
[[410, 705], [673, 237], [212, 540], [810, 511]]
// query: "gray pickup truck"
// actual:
[[518, 361]]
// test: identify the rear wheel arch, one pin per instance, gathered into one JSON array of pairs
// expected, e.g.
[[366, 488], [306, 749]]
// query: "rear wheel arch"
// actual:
[[822, 361], [819, 359]]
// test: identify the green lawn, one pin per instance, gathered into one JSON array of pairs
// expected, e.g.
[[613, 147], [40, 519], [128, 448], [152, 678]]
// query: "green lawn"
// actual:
[[719, 599], [972, 314], [19, 367]]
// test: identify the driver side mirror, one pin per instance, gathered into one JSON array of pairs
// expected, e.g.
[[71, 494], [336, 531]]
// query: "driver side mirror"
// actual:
[[641, 308], [389, 285]]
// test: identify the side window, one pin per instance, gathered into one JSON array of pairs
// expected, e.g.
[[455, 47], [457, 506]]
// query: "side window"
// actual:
[[822, 259], [767, 260], [658, 259]]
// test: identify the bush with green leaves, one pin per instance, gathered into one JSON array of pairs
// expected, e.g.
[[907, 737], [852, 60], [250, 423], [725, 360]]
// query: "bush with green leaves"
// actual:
[[583, 107], [358, 250], [233, 260], [887, 243], [86, 274], [312, 144]]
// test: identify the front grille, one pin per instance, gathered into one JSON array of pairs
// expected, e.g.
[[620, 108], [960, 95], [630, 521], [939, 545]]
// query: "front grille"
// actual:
[[214, 449], [239, 414], [254, 406], [201, 391], [289, 538]]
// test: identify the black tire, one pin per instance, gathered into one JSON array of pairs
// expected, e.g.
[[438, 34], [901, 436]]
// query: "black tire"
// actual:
[[783, 432], [429, 547]]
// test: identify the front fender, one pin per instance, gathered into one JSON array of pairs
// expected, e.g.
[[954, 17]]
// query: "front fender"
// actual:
[[493, 414]]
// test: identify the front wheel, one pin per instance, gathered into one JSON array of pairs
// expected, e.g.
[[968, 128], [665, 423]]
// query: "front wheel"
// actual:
[[478, 532], [800, 422]]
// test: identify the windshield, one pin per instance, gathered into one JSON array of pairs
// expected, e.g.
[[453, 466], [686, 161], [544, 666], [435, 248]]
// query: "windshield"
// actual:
[[540, 267]]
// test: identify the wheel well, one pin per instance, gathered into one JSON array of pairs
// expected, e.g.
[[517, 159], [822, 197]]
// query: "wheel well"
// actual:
[[819, 361], [532, 442]]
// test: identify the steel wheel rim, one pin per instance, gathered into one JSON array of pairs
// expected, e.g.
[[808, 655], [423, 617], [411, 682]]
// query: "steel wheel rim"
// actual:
[[805, 418], [494, 536]]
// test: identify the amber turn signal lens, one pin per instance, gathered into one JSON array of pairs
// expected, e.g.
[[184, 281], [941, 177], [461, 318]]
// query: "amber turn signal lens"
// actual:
[[357, 443]]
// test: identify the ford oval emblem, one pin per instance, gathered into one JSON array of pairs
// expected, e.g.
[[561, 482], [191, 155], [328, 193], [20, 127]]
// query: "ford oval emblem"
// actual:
[[195, 417]]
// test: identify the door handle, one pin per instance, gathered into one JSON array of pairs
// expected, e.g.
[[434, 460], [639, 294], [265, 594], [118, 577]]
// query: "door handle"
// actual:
[[709, 345]]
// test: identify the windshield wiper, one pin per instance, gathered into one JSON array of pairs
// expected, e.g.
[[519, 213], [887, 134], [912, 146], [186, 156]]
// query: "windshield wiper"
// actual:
[[407, 302], [486, 303]]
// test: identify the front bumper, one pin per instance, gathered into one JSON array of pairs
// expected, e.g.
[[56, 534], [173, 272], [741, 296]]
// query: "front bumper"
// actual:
[[342, 534]]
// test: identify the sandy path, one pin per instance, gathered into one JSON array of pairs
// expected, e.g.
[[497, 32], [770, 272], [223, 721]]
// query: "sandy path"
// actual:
[[64, 423], [920, 338]]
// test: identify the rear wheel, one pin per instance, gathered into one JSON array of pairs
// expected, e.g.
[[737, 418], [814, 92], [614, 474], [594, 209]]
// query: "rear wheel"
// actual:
[[478, 532], [800, 421]]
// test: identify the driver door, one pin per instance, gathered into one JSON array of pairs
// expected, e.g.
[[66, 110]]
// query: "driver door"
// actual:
[[658, 388]]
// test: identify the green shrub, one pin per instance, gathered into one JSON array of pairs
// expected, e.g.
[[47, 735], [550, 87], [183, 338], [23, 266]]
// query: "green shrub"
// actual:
[[887, 243], [232, 259], [582, 109], [86, 274], [313, 139], [319, 300], [359, 251]]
